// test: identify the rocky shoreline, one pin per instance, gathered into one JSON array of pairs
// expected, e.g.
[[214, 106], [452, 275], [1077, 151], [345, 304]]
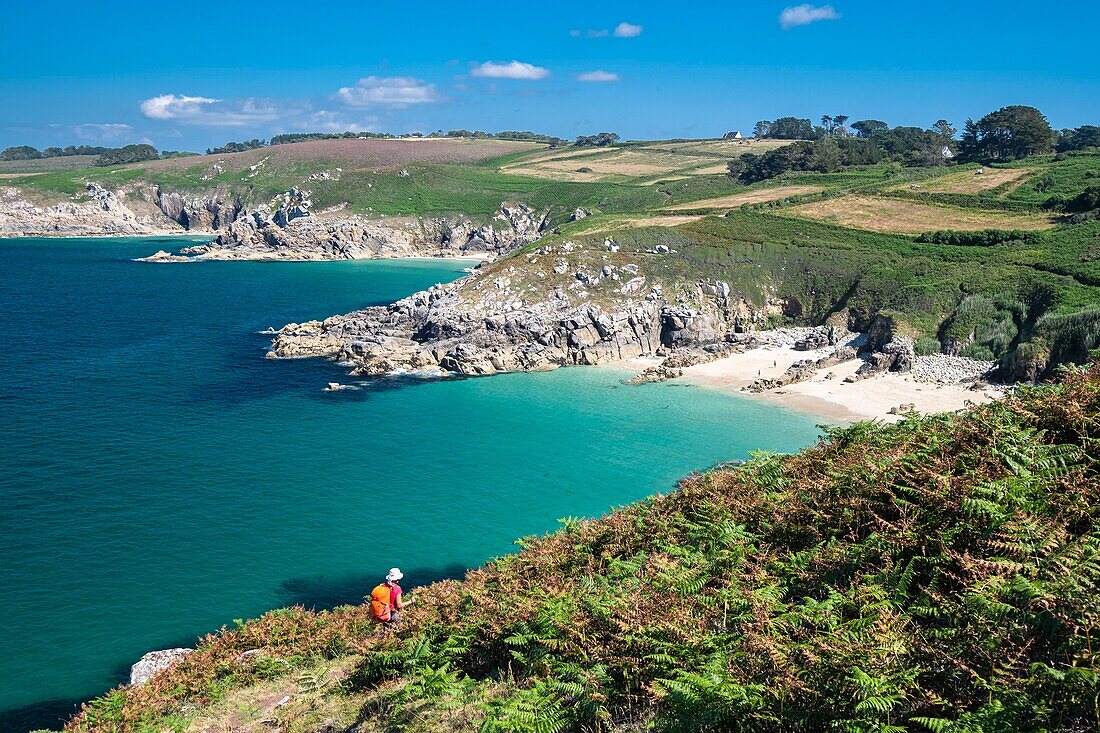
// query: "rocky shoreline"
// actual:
[[291, 231], [98, 212], [287, 228], [480, 326]]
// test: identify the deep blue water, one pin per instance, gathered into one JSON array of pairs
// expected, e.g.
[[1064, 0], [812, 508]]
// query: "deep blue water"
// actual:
[[159, 477]]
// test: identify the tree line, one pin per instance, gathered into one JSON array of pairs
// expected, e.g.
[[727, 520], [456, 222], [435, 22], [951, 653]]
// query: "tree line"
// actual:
[[298, 137], [1010, 133], [104, 156]]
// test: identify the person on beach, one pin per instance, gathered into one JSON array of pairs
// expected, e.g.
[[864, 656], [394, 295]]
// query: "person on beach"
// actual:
[[386, 600]]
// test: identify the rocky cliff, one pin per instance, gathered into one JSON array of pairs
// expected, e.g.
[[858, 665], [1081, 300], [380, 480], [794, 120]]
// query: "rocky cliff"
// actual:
[[530, 312], [95, 212], [286, 228], [290, 230], [567, 303]]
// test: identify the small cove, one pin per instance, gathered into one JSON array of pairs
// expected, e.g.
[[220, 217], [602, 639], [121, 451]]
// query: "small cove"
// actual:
[[160, 478]]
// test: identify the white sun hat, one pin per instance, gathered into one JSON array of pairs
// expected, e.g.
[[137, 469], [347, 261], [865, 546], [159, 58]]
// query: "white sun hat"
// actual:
[[394, 574]]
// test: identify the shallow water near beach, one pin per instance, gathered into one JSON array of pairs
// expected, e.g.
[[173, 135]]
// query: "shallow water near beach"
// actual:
[[159, 477]]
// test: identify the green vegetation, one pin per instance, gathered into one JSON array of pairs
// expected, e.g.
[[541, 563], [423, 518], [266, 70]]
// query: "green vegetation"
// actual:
[[1081, 138], [786, 128], [1009, 133], [983, 238], [935, 575], [235, 147], [91, 155], [479, 191], [599, 140], [128, 154], [47, 165], [824, 155]]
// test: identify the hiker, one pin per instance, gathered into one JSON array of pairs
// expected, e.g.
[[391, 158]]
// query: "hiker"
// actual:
[[386, 599]]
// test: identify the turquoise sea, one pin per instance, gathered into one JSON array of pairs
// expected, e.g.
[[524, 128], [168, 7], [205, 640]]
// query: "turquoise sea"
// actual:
[[159, 478]]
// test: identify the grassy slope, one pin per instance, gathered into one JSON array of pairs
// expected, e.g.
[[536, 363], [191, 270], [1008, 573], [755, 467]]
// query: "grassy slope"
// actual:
[[940, 574], [377, 186], [995, 296], [47, 165]]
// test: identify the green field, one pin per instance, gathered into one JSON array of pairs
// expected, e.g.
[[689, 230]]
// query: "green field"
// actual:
[[47, 165]]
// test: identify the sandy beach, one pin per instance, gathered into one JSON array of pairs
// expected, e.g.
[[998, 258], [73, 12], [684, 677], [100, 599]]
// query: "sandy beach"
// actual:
[[827, 394]]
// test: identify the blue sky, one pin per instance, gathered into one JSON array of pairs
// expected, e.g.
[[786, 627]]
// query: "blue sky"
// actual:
[[196, 75]]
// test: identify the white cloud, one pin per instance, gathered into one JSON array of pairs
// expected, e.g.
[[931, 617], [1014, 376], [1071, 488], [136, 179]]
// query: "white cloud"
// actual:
[[391, 91], [208, 111], [627, 30], [511, 70], [106, 131], [805, 14], [598, 75], [171, 107]]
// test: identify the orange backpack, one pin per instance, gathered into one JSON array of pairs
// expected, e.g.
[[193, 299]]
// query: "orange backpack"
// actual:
[[380, 599]]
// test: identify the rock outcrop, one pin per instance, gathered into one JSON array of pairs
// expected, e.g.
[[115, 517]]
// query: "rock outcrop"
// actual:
[[434, 332], [95, 212], [286, 228], [897, 355], [201, 213], [290, 231], [163, 256], [804, 369], [154, 662]]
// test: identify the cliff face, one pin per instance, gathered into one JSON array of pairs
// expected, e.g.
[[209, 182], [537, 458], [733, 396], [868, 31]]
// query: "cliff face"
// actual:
[[201, 213], [290, 230], [516, 315], [590, 301], [96, 213], [286, 228]]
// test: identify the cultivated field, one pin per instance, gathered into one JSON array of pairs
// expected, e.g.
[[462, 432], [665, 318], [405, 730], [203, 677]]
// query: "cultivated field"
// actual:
[[615, 223], [725, 149], [46, 165], [355, 154], [911, 217], [969, 181], [640, 164], [757, 196]]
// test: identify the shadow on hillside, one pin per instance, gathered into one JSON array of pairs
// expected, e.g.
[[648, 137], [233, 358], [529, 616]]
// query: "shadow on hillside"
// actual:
[[53, 714], [48, 714], [331, 592]]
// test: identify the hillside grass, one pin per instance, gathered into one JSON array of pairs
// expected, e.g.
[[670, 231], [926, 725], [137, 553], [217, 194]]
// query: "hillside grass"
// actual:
[[913, 217], [1021, 185], [47, 165], [990, 301], [638, 163], [935, 575]]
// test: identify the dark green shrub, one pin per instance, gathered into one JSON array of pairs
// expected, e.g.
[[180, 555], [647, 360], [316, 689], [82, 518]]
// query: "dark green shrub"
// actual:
[[983, 238], [978, 351], [927, 346]]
